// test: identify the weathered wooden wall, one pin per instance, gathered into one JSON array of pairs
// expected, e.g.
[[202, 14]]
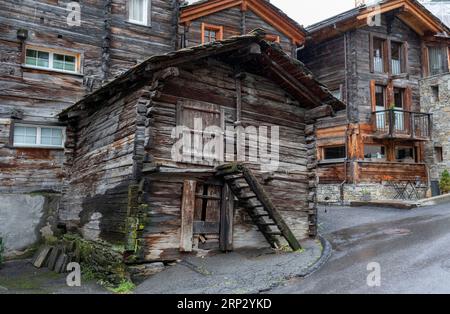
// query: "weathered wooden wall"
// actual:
[[40, 94], [100, 168], [263, 103], [332, 54], [235, 22]]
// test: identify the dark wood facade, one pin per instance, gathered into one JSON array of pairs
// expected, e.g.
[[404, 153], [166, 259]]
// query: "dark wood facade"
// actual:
[[105, 44], [226, 19], [383, 122], [125, 184]]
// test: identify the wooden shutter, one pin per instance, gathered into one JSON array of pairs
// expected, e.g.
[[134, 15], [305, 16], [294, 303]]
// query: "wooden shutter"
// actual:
[[425, 61], [408, 99], [373, 98], [387, 56], [405, 59], [210, 115], [371, 65]]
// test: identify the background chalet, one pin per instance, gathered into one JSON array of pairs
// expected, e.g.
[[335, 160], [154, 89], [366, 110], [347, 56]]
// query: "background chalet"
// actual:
[[378, 144]]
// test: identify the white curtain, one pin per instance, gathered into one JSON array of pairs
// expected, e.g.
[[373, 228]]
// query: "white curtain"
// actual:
[[138, 11]]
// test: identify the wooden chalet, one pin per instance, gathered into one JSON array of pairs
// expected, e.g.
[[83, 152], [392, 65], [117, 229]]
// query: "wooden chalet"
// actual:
[[208, 20], [124, 186], [372, 58]]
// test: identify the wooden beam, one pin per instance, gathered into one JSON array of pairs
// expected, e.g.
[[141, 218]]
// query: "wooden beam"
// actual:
[[226, 219], [187, 215], [288, 79], [271, 209]]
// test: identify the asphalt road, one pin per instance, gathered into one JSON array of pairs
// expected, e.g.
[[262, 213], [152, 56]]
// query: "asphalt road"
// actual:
[[412, 249]]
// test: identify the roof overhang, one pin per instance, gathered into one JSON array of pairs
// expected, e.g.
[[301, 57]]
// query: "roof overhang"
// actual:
[[290, 74], [411, 12], [264, 9]]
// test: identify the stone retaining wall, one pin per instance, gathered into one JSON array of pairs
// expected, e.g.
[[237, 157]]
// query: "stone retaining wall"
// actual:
[[331, 193]]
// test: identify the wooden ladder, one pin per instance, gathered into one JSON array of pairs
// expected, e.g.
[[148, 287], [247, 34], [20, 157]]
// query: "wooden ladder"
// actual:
[[253, 197]]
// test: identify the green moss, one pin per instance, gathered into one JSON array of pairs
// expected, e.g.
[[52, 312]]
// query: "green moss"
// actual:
[[124, 287]]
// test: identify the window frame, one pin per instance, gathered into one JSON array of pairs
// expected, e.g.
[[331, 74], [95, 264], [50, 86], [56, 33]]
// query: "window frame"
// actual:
[[445, 59], [383, 147], [211, 27], [324, 159], [273, 38], [398, 147], [39, 128], [147, 11], [438, 154], [52, 52], [387, 54]]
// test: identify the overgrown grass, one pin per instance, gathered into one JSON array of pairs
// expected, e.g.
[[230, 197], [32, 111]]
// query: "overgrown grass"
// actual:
[[124, 287]]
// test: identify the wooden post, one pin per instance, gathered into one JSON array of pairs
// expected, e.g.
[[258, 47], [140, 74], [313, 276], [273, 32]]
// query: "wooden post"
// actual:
[[187, 215], [226, 219]]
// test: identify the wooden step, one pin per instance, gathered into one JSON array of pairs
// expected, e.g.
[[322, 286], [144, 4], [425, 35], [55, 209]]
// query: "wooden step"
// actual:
[[233, 177], [247, 196], [259, 213], [265, 221]]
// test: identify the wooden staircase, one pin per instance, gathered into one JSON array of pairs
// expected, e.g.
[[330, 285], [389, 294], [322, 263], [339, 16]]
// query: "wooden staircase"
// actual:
[[252, 196]]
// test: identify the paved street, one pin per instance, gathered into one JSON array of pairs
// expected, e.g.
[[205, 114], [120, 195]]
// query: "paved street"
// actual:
[[412, 248]]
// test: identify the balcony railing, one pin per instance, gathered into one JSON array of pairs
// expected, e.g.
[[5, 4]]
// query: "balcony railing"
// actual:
[[396, 123]]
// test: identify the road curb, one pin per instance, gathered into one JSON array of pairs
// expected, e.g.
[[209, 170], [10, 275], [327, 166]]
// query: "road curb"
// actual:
[[326, 254], [324, 257]]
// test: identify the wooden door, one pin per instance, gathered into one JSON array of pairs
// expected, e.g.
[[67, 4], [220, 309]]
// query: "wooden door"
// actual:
[[207, 223]]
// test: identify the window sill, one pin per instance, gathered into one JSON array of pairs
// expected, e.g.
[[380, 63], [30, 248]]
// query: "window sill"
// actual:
[[26, 66], [38, 147], [331, 161], [139, 24]]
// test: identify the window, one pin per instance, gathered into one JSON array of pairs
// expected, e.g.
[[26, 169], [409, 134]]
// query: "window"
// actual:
[[437, 60], [380, 97], [38, 136], [273, 38], [337, 94], [396, 58], [374, 152], [378, 55], [404, 154], [380, 106], [335, 152], [211, 33], [138, 11], [435, 94], [438, 154], [52, 60], [399, 106]]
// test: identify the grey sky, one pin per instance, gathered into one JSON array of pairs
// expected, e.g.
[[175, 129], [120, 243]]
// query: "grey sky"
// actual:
[[307, 12]]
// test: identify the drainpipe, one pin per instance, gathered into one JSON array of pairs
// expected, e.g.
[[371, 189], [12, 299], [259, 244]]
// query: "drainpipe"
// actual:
[[297, 50]]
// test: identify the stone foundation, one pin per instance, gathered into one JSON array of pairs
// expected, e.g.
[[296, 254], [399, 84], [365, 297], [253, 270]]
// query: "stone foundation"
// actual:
[[331, 193]]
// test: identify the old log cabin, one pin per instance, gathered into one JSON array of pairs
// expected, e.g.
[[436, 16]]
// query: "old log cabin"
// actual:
[[126, 181], [204, 21], [372, 57]]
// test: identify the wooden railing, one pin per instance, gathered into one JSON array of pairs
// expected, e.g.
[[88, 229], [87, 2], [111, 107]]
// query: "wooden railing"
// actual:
[[396, 123]]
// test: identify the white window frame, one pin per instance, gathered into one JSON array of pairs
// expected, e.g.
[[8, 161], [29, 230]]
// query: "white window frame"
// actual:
[[146, 9], [51, 53], [38, 136]]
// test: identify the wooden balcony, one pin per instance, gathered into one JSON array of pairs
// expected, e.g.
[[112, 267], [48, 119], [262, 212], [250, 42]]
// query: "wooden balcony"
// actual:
[[400, 124]]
